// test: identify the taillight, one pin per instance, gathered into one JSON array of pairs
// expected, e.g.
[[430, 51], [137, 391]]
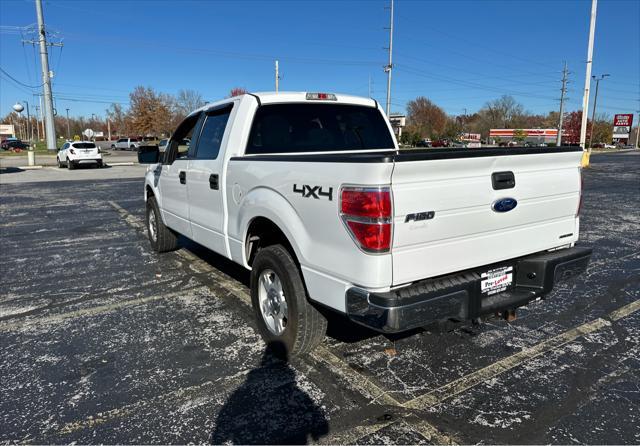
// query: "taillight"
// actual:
[[72, 151], [367, 214], [581, 189]]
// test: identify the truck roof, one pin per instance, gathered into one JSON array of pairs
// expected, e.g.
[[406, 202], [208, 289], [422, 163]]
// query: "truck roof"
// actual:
[[272, 97]]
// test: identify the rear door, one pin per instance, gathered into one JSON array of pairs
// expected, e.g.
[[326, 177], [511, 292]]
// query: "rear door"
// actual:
[[459, 213], [173, 178], [206, 185]]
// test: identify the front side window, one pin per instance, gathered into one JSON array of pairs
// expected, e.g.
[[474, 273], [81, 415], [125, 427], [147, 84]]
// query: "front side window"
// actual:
[[178, 147], [296, 128], [212, 132], [122, 140]]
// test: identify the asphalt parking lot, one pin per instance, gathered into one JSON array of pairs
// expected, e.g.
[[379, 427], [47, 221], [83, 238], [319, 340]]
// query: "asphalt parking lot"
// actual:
[[104, 341]]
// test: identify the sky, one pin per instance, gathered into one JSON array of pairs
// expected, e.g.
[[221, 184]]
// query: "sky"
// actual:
[[459, 54]]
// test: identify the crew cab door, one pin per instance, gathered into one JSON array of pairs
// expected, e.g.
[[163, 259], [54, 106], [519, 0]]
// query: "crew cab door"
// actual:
[[174, 203], [205, 185]]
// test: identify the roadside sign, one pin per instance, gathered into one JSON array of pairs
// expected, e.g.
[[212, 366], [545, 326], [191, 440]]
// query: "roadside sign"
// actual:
[[622, 126], [88, 133]]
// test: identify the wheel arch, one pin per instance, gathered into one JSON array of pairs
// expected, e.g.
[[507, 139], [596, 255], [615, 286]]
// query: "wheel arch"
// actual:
[[262, 232]]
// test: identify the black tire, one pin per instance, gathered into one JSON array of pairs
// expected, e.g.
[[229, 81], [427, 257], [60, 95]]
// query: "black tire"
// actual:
[[165, 239], [60, 165], [132, 147], [100, 165], [70, 164], [113, 147], [305, 326]]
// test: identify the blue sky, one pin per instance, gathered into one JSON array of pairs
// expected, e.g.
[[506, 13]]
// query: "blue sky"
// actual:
[[460, 54]]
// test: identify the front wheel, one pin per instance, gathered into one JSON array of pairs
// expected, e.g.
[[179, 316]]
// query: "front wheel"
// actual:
[[279, 299], [162, 238]]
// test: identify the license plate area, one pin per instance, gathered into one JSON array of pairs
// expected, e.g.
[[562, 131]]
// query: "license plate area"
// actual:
[[496, 280]]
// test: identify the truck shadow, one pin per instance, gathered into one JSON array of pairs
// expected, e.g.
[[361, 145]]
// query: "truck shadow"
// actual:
[[269, 407]]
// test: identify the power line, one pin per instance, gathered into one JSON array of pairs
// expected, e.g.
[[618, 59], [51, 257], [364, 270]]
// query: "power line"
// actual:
[[17, 81]]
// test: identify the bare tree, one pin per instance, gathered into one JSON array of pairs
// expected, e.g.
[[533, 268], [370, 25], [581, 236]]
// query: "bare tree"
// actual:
[[188, 101]]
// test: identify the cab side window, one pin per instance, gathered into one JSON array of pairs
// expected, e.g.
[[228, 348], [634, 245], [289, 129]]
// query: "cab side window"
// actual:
[[212, 132], [178, 147]]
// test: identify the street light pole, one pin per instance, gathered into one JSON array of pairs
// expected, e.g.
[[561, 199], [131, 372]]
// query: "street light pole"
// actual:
[[587, 78], [595, 102], [68, 127]]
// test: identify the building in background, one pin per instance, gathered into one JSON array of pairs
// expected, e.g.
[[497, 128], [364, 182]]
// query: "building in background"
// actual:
[[7, 131], [622, 128], [534, 136]]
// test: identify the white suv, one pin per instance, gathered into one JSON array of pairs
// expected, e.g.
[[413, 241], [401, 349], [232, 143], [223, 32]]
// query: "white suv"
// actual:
[[126, 144], [71, 154]]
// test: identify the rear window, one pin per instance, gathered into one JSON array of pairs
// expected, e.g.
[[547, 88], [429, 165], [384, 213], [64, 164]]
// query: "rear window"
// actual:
[[84, 145], [292, 128]]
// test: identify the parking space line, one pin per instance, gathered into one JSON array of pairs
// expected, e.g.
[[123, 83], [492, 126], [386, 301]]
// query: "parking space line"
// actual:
[[202, 393], [93, 311], [466, 382], [375, 393], [133, 221], [360, 382], [625, 311]]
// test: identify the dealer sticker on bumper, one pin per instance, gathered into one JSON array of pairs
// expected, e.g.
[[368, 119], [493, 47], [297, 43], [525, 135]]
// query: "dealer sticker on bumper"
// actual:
[[496, 280]]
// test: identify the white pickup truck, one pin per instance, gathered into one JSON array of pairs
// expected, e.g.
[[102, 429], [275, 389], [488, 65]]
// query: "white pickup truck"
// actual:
[[312, 194]]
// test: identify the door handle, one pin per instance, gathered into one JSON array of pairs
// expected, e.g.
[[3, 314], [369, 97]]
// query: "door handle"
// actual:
[[213, 181], [183, 177]]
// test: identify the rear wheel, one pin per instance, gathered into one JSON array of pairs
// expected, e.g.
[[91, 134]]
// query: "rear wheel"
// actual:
[[113, 147], [70, 164], [162, 238], [279, 299]]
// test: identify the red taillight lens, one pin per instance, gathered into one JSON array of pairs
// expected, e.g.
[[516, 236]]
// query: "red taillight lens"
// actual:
[[366, 203], [367, 214], [372, 236]]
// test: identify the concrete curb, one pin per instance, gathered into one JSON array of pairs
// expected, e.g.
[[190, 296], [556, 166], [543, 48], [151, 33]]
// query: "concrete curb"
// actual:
[[123, 164]]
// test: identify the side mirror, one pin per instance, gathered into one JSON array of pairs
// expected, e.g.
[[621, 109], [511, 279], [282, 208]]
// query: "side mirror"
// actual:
[[148, 154]]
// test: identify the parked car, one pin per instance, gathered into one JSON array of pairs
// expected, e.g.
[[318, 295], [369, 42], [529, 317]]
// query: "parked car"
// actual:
[[162, 145], [13, 144], [126, 144], [311, 193], [74, 153]]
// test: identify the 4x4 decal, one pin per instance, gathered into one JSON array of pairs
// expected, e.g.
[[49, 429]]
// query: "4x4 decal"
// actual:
[[313, 191]]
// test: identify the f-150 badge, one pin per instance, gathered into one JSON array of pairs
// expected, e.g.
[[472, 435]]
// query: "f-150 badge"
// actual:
[[313, 191]]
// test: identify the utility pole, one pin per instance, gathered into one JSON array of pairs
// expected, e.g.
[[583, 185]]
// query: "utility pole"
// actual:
[[29, 129], [277, 76], [565, 73], [38, 121], [46, 80], [389, 66], [595, 103], [638, 129], [587, 77], [68, 127]]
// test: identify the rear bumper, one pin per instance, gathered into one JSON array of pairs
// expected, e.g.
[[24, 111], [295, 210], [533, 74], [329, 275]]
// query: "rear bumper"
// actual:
[[458, 296]]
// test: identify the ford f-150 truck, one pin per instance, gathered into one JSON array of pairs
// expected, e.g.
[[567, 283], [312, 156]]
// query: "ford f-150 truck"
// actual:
[[312, 194]]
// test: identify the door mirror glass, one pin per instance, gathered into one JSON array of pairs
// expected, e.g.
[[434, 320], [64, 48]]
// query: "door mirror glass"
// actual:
[[148, 154]]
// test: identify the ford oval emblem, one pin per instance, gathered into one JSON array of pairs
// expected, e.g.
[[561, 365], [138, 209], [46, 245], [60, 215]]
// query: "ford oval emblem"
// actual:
[[504, 204]]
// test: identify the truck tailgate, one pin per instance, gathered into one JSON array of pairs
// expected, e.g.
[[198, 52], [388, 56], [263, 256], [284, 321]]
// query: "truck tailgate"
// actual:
[[444, 217]]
